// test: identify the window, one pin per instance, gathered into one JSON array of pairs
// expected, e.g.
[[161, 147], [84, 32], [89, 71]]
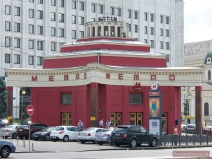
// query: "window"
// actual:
[[112, 10], [53, 16], [145, 16], [40, 14], [53, 2], [93, 8], [16, 59], [152, 43], [161, 44], [93, 19], [101, 9], [167, 33], [161, 19], [17, 43], [74, 5], [39, 61], [209, 74], [136, 28], [74, 19], [61, 32], [61, 3], [81, 20], [7, 10], [135, 98], [161, 32], [53, 46], [61, 17], [206, 109], [81, 34], [129, 27], [152, 30], [7, 58], [145, 41], [7, 26], [17, 11], [119, 11], [167, 45], [135, 15], [32, 1], [31, 29], [40, 45], [167, 20], [145, 30], [40, 1], [81, 6], [17, 27], [53, 31], [152, 17], [129, 13], [31, 60], [31, 13], [31, 44], [73, 34], [66, 98], [7, 41], [40, 30]]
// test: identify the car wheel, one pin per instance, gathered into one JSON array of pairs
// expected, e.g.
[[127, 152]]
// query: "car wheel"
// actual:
[[153, 142], [4, 137], [14, 136], [47, 138], [65, 138], [82, 142], [133, 143], [117, 144], [5, 152], [54, 140], [100, 143]]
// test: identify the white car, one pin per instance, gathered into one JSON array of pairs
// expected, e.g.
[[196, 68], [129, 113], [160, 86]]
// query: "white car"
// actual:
[[9, 131], [64, 133], [88, 134]]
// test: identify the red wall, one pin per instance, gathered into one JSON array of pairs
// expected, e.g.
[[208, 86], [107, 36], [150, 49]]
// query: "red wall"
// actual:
[[111, 98], [107, 60]]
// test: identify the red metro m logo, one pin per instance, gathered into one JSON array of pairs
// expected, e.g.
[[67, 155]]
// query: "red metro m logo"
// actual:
[[154, 86]]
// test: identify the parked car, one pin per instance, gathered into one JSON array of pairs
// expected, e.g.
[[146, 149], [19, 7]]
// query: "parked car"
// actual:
[[133, 136], [44, 134], [190, 128], [6, 147], [207, 130], [9, 131], [23, 130], [64, 133], [88, 134], [183, 126], [103, 136]]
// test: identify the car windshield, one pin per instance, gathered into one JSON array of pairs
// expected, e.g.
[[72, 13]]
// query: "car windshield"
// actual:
[[59, 128], [49, 129], [105, 130], [10, 126], [120, 129]]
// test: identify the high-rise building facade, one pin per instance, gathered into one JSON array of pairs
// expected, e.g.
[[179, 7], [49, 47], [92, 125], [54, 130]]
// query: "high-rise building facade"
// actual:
[[33, 29]]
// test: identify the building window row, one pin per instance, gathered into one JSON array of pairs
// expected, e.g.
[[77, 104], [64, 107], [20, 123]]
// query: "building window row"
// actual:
[[17, 11], [74, 34], [81, 20], [129, 15], [60, 3], [81, 5], [61, 17], [167, 19]]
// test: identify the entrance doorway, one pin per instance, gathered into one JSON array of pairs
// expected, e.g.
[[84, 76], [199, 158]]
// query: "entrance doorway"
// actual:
[[164, 122], [115, 118], [66, 119], [135, 118]]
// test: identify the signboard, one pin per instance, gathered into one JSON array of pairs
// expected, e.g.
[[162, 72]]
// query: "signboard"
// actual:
[[30, 109], [154, 126], [93, 118]]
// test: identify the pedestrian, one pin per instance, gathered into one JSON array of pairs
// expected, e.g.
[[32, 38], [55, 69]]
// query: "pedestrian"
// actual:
[[107, 124], [80, 125], [101, 123], [175, 134]]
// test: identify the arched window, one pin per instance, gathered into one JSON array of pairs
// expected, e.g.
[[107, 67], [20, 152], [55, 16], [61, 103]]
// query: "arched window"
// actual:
[[209, 74], [206, 109]]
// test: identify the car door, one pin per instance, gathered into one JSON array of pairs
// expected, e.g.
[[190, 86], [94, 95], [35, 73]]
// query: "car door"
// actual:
[[144, 135], [72, 133]]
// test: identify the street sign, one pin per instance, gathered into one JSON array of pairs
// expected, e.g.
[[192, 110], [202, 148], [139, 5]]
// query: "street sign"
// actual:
[[30, 109]]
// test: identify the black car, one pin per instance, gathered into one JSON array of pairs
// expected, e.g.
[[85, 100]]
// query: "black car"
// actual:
[[133, 136], [44, 134]]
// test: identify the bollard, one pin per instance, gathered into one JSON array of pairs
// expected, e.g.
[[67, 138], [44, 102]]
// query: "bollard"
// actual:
[[17, 141], [24, 141], [207, 139], [33, 147]]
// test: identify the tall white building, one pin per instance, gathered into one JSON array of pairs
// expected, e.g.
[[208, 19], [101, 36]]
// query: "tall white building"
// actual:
[[33, 29]]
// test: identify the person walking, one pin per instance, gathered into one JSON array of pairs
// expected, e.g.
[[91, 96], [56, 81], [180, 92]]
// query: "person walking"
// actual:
[[101, 123], [175, 134], [80, 125], [107, 124]]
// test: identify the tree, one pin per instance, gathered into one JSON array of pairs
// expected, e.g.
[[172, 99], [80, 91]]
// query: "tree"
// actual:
[[3, 98]]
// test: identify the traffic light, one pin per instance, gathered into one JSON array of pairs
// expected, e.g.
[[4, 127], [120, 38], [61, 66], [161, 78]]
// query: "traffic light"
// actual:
[[3, 98]]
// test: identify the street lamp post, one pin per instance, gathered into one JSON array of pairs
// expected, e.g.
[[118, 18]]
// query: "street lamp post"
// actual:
[[22, 109]]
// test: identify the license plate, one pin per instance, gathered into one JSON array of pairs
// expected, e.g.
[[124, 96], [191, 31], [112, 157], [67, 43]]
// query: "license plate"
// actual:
[[82, 134], [117, 134], [35, 135], [98, 139], [20, 130], [54, 137]]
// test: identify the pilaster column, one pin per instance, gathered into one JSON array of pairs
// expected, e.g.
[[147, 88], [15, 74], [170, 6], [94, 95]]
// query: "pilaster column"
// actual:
[[94, 103], [198, 109]]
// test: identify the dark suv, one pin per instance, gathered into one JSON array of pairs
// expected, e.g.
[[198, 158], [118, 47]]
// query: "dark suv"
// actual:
[[133, 136], [23, 130]]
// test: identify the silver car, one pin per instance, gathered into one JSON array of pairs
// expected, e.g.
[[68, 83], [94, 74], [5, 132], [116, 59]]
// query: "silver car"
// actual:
[[88, 134], [103, 136], [9, 131], [6, 147]]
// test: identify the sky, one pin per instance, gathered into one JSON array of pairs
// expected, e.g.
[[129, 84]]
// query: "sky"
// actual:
[[197, 20]]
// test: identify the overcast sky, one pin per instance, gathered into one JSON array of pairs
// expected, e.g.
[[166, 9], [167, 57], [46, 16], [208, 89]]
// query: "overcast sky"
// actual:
[[197, 20]]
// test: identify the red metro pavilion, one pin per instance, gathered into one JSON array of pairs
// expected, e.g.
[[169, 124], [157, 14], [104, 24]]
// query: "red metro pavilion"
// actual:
[[106, 75]]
